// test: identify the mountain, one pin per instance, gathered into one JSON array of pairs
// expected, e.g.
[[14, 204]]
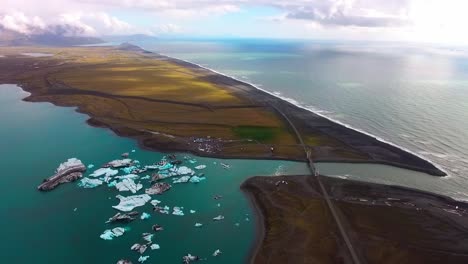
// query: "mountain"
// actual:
[[13, 38]]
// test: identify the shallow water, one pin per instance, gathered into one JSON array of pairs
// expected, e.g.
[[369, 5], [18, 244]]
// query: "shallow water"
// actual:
[[413, 96], [42, 227]]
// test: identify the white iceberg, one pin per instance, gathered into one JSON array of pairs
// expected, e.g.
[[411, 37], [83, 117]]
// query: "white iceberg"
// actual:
[[198, 225], [129, 170], [90, 166], [142, 259], [128, 185], [109, 234], [155, 202], [218, 218], [148, 237], [130, 202], [216, 253], [89, 183], [104, 172], [128, 176], [200, 167], [120, 163], [192, 211], [147, 177], [184, 171], [145, 216], [196, 179], [155, 246], [177, 211], [183, 179]]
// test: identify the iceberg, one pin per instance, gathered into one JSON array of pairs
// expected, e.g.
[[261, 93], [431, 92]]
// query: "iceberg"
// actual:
[[216, 253], [128, 176], [68, 171], [112, 184], [147, 177], [155, 246], [192, 211], [89, 183], [178, 211], [155, 202], [124, 261], [140, 248], [148, 237], [142, 259], [218, 218], [200, 167], [198, 225], [90, 166], [196, 179], [128, 185], [183, 179], [130, 202], [158, 188], [119, 163], [104, 172], [119, 217], [128, 170], [109, 234], [145, 216], [184, 171]]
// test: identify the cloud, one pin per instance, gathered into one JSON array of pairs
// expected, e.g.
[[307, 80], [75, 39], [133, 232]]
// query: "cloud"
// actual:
[[356, 13], [166, 29], [66, 24]]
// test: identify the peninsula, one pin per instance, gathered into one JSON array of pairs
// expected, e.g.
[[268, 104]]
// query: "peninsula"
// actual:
[[172, 105]]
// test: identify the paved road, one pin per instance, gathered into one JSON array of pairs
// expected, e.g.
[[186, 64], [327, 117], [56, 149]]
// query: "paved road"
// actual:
[[330, 205]]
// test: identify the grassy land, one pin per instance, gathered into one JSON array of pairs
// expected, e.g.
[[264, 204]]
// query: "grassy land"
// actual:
[[142, 95]]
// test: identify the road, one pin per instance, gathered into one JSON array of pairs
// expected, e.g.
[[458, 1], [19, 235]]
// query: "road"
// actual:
[[329, 202]]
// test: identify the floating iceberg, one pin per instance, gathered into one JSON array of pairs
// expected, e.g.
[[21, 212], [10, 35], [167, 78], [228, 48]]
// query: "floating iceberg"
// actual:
[[183, 179], [198, 225], [200, 167], [155, 202], [112, 184], [104, 172], [216, 253], [128, 176], [139, 248], [109, 234], [155, 246], [128, 185], [130, 202], [124, 261], [68, 171], [120, 217], [192, 161], [142, 259], [145, 216], [158, 188], [90, 166], [184, 171], [119, 163], [128, 170], [218, 218], [192, 211], [89, 183], [148, 237], [196, 179], [147, 177], [177, 211]]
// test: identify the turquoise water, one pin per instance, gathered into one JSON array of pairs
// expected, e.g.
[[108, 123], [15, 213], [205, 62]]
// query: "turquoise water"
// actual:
[[45, 228], [414, 96]]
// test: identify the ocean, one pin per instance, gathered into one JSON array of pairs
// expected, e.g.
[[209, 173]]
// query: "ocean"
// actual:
[[412, 95]]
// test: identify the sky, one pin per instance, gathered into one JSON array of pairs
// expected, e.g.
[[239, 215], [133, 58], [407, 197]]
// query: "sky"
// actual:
[[437, 21]]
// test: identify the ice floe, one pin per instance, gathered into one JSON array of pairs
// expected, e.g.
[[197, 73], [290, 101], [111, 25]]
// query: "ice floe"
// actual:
[[154, 246], [218, 218], [104, 172], [142, 259], [183, 179], [158, 188], [198, 225], [196, 179], [89, 183], [177, 211], [119, 163], [216, 253], [200, 167], [128, 185], [145, 216], [110, 234], [130, 202]]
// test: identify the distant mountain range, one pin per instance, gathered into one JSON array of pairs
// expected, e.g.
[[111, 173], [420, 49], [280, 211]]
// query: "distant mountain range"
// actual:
[[13, 38]]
